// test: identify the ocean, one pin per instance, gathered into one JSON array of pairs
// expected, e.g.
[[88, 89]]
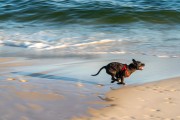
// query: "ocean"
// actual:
[[91, 27]]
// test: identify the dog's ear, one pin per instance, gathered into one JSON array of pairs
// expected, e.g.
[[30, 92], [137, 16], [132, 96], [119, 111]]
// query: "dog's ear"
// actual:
[[134, 61]]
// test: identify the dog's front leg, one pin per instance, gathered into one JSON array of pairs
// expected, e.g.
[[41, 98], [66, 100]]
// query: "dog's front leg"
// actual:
[[119, 80], [122, 81]]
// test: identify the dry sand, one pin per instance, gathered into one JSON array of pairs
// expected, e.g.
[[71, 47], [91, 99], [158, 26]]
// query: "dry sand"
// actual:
[[153, 101]]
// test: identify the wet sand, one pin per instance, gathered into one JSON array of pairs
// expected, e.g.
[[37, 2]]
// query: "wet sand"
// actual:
[[28, 92]]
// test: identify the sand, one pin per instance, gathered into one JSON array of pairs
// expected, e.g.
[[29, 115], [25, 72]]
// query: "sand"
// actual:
[[62, 89], [31, 89], [153, 101]]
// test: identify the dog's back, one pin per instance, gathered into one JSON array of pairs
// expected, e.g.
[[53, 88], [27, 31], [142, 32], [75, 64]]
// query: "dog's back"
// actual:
[[116, 66]]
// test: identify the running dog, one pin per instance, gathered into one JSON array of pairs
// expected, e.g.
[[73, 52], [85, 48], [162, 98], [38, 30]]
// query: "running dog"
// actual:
[[119, 71]]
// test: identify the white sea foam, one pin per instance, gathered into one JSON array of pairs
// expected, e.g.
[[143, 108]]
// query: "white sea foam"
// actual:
[[167, 56], [95, 43], [38, 46], [163, 56], [92, 47], [49, 46]]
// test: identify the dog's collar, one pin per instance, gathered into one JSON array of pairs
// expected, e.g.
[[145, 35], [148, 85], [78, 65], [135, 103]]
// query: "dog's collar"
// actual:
[[127, 74]]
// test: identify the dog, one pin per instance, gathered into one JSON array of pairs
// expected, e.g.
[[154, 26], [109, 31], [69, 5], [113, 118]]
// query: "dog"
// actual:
[[119, 71]]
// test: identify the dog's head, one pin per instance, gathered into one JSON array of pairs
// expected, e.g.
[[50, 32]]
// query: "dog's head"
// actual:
[[138, 65]]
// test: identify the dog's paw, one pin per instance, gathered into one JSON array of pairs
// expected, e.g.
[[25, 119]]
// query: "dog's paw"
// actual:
[[112, 81], [121, 83]]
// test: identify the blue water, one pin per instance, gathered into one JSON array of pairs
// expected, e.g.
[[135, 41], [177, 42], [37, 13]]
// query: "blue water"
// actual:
[[86, 27]]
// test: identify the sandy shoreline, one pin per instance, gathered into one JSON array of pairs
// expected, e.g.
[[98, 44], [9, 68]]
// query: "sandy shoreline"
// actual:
[[62, 89], [152, 101], [32, 89]]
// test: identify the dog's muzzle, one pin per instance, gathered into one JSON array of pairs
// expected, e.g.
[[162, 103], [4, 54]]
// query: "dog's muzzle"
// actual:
[[141, 68]]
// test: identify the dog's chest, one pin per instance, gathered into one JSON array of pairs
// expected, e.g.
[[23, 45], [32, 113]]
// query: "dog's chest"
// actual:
[[127, 73]]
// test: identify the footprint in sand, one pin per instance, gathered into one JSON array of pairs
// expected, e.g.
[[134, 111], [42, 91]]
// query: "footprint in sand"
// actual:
[[172, 90], [132, 117], [79, 85], [148, 117], [169, 101], [168, 98], [11, 79], [100, 85], [155, 110], [169, 119], [23, 81], [158, 90]]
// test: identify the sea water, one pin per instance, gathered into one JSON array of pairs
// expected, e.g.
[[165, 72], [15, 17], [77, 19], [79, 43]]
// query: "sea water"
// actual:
[[91, 27]]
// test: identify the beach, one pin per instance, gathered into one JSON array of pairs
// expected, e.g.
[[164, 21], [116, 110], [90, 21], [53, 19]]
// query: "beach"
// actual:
[[151, 101], [62, 90], [50, 48], [30, 89]]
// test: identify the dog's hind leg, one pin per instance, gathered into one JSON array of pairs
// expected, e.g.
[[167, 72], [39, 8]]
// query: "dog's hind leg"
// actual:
[[113, 79], [113, 74]]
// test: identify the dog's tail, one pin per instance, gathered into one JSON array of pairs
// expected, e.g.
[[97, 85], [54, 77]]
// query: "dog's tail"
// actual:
[[99, 71]]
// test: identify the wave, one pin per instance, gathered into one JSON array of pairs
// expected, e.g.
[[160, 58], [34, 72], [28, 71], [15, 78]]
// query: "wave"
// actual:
[[90, 12], [49, 46], [101, 47]]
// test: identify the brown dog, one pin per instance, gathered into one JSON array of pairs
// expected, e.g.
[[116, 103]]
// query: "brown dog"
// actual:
[[118, 70]]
